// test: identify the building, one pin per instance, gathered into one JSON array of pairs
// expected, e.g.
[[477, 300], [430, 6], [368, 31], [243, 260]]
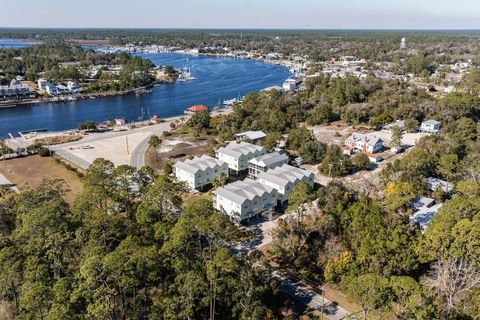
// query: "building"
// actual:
[[242, 200], [289, 85], [364, 143], [430, 126], [51, 89], [15, 91], [389, 127], [254, 137], [120, 122], [435, 184], [200, 171], [237, 155], [72, 86], [425, 215], [266, 162], [196, 108], [284, 178], [61, 89], [41, 84]]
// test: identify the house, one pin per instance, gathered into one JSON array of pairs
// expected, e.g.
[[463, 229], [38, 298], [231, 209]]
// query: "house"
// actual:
[[254, 137], [419, 203], [266, 162], [61, 89], [200, 171], [284, 178], [41, 84], [120, 122], [425, 215], [15, 91], [397, 123], [196, 108], [72, 86], [289, 85], [237, 155], [242, 200], [430, 126], [155, 119], [435, 184], [51, 89], [364, 143]]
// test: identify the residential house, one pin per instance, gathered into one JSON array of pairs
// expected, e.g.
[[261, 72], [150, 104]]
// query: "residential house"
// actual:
[[289, 85], [284, 178], [237, 155], [72, 86], [435, 184], [266, 162], [389, 127], [254, 137], [430, 126], [364, 143], [242, 200], [425, 215], [41, 84], [200, 171], [51, 89]]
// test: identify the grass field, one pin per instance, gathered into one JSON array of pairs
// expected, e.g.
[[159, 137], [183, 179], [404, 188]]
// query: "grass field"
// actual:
[[31, 171]]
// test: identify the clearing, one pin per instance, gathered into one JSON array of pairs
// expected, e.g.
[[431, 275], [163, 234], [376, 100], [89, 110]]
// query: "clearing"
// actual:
[[31, 171]]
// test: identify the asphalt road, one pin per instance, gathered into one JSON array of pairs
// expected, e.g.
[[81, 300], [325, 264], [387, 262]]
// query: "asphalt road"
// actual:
[[137, 157]]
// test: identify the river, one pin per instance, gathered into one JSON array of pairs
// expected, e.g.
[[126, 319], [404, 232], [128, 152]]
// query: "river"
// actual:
[[218, 78]]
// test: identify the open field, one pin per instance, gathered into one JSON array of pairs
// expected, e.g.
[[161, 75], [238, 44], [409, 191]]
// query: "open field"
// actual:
[[176, 147], [31, 171]]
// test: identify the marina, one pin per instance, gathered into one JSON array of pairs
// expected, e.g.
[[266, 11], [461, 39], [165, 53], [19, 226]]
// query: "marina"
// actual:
[[217, 79]]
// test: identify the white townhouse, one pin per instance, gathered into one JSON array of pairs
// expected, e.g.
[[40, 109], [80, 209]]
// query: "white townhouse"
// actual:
[[237, 155], [430, 126], [364, 143], [284, 178], [200, 171], [242, 200], [266, 162]]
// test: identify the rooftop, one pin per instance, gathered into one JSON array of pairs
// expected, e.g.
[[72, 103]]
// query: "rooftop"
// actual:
[[431, 122], [252, 135], [241, 191], [371, 140], [237, 149], [269, 159], [424, 216], [284, 174], [198, 164], [197, 108]]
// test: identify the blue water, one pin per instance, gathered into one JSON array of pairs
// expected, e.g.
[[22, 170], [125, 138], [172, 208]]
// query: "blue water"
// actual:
[[218, 78], [14, 44]]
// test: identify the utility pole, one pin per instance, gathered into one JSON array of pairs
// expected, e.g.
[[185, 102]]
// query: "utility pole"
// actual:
[[126, 139]]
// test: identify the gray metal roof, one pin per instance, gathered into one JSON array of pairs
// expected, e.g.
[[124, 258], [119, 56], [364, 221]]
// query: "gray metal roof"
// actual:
[[269, 159], [235, 149], [199, 164], [371, 140], [284, 174], [241, 191], [252, 135], [431, 122], [425, 216]]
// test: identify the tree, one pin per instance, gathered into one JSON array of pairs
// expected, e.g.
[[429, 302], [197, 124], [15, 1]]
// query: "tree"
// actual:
[[300, 196], [335, 163], [312, 151], [396, 139], [271, 140], [88, 125], [199, 121], [153, 142], [361, 161], [452, 280], [411, 125]]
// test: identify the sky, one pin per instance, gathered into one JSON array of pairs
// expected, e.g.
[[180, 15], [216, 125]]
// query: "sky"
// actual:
[[256, 14]]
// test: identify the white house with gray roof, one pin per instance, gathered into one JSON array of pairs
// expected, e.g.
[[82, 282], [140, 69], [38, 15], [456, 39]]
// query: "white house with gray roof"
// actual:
[[251, 136], [237, 155], [284, 178], [398, 123], [266, 162], [430, 126], [364, 143], [242, 200], [200, 171]]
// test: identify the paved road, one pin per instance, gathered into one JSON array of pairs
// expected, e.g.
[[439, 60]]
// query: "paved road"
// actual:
[[312, 299], [137, 158]]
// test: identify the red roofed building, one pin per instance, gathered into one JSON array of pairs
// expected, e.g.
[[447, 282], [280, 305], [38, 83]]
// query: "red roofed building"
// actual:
[[196, 108]]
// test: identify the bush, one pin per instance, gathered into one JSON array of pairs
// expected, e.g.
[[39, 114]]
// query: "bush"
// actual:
[[43, 152], [361, 161]]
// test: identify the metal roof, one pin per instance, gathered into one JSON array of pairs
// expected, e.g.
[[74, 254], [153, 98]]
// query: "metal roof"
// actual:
[[199, 164], [269, 159], [284, 174], [371, 140], [252, 135], [425, 216], [237, 149], [241, 191]]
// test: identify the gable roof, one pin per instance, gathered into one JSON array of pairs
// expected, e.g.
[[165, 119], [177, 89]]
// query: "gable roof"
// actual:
[[241, 191], [237, 149], [252, 135], [199, 164], [269, 159], [371, 140], [283, 175]]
